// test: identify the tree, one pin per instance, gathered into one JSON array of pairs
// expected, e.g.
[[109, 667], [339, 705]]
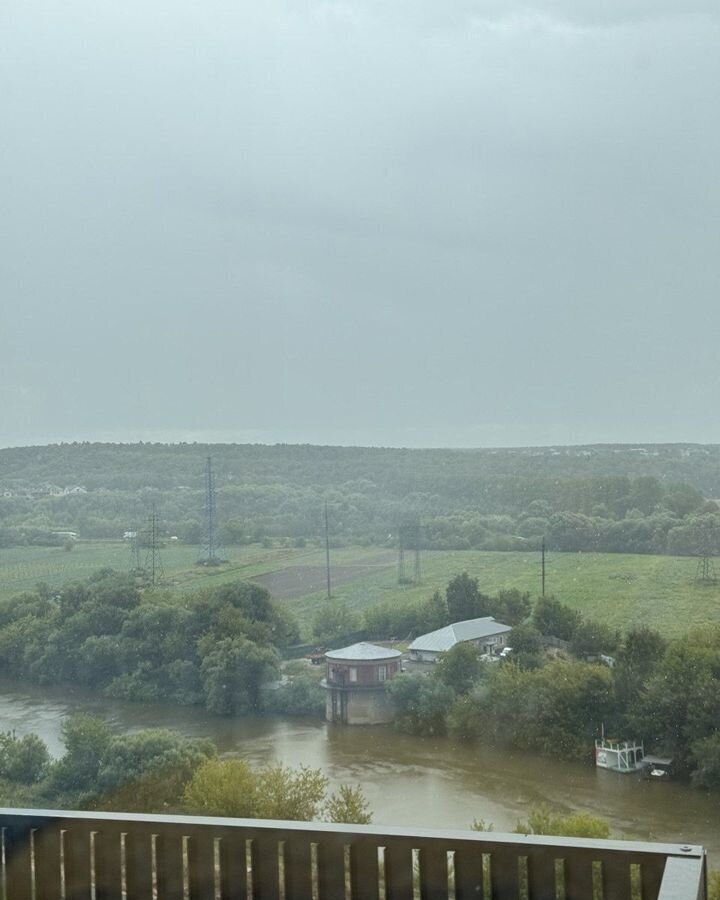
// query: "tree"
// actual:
[[24, 759], [593, 638], [148, 770], [433, 613], [511, 607], [348, 804], [422, 704], [464, 600], [233, 671], [543, 821], [460, 668], [679, 705], [86, 739], [639, 655], [551, 617], [525, 638], [226, 787], [231, 787], [334, 620], [707, 753], [287, 793]]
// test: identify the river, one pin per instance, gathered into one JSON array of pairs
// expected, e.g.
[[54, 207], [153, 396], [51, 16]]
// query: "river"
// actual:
[[407, 780]]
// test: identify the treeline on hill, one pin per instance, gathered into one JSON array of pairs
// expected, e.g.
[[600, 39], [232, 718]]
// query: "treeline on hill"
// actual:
[[666, 693], [215, 647], [613, 499], [157, 770]]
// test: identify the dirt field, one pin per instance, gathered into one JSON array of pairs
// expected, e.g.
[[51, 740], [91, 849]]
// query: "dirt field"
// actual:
[[298, 581]]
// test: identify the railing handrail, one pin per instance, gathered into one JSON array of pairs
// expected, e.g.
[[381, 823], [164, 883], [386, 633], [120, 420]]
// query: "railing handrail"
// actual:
[[685, 851], [172, 856]]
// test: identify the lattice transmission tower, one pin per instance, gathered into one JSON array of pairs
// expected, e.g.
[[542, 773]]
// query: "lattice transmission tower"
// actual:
[[705, 572], [409, 540], [708, 541], [152, 544], [211, 552]]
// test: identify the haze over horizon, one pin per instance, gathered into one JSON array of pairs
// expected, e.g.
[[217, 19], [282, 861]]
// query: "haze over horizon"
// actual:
[[469, 224]]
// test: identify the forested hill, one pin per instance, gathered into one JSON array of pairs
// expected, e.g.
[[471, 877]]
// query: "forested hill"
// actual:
[[164, 466], [480, 498]]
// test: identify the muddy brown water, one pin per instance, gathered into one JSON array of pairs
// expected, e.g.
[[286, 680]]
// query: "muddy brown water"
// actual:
[[408, 781]]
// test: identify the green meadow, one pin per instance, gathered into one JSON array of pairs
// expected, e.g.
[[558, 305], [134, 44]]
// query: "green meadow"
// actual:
[[621, 589]]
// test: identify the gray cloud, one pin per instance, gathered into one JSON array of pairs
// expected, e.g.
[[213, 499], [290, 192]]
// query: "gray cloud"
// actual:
[[489, 221]]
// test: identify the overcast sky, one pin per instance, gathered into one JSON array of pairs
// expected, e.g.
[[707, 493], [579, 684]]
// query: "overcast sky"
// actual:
[[365, 221]]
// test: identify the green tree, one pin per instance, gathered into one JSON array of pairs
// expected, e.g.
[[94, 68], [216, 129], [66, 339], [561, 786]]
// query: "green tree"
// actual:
[[460, 668], [638, 656], [147, 771], [593, 638], [707, 753], [302, 695], [551, 617], [511, 607], [348, 804], [232, 788], [463, 598], [86, 739], [24, 759], [223, 787], [542, 821], [233, 672], [433, 614], [334, 620], [525, 638], [287, 793], [422, 704], [679, 705]]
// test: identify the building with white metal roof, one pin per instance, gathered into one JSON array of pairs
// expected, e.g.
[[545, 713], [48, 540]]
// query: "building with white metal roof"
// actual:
[[487, 634], [363, 651]]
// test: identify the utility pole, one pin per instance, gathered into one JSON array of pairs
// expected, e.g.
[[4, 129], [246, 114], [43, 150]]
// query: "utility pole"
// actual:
[[416, 536], [401, 556], [542, 575], [327, 549]]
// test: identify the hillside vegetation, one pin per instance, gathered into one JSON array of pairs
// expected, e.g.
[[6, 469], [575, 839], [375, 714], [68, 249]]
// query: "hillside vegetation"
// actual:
[[645, 499]]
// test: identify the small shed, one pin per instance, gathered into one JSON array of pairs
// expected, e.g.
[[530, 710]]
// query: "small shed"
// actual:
[[355, 679]]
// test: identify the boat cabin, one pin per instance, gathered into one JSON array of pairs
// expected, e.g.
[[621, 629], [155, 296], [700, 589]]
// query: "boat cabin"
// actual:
[[619, 756]]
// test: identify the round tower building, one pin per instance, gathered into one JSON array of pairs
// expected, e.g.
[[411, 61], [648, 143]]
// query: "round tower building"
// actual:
[[355, 679]]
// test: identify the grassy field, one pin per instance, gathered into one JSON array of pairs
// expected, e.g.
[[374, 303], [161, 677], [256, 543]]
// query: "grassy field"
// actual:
[[620, 589], [21, 568]]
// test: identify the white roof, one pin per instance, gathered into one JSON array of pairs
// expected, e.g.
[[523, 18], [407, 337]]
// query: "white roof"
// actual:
[[363, 650], [470, 630]]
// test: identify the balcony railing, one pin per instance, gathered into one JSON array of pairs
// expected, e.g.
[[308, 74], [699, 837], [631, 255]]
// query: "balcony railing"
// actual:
[[49, 855]]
